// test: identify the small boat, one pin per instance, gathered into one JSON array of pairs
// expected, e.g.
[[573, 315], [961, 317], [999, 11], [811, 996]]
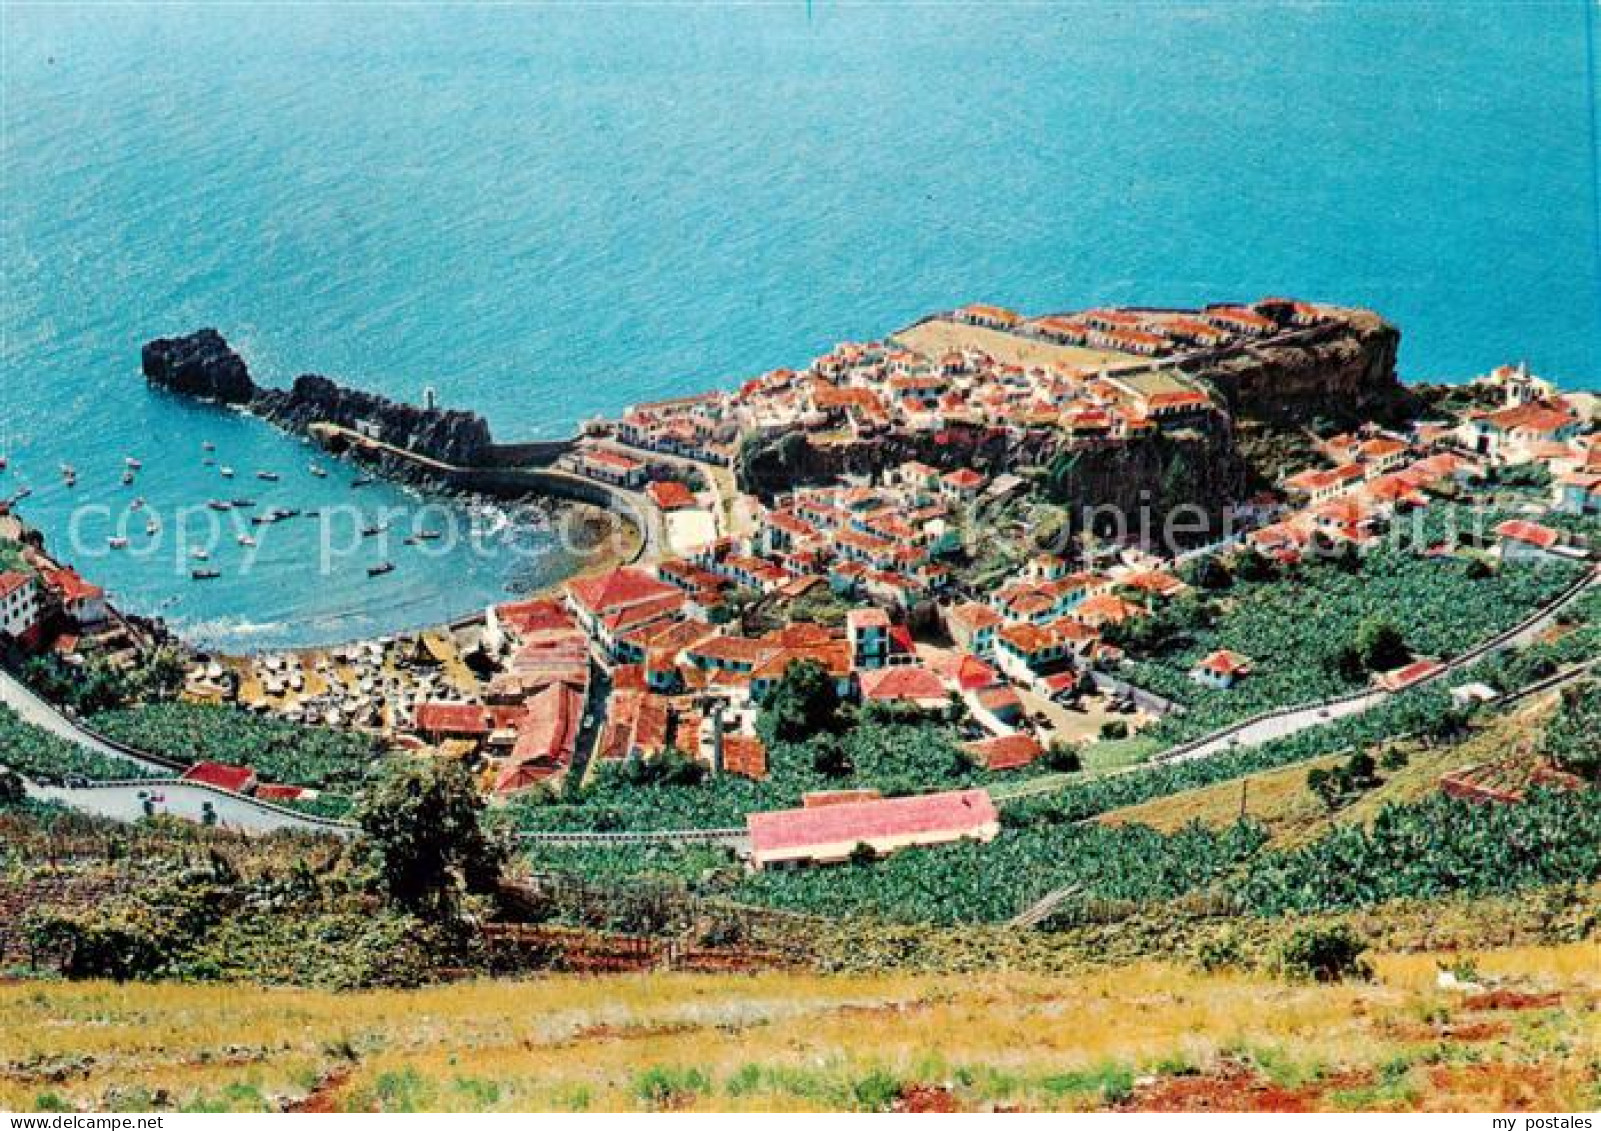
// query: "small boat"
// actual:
[[117, 543], [127, 478], [137, 504], [69, 475], [428, 535], [4, 463], [220, 505], [226, 472], [152, 527], [268, 476], [207, 446], [246, 540], [380, 569], [131, 464], [204, 574], [286, 512], [199, 554], [375, 529], [319, 472], [364, 481], [21, 494], [243, 504]]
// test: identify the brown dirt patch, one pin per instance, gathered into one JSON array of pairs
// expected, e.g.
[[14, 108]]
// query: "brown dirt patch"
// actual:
[[1510, 999], [1467, 1032], [324, 1098], [1234, 1088], [625, 1033], [925, 1098], [1495, 1087]]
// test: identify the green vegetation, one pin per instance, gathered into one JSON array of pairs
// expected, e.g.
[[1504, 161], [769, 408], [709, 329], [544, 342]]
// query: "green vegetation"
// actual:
[[40, 755], [804, 703], [1337, 786], [277, 750], [1319, 630], [896, 757], [422, 826], [1433, 849], [1573, 740], [99, 685]]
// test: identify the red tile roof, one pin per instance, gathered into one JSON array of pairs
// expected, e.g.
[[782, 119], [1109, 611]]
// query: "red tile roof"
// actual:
[[239, 779], [11, 581], [71, 586], [943, 816], [451, 718], [617, 589], [1531, 533], [905, 683], [671, 495], [1007, 752], [744, 755]]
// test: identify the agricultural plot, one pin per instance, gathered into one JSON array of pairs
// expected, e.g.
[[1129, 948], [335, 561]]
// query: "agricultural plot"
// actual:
[[278, 751], [1298, 629], [44, 757]]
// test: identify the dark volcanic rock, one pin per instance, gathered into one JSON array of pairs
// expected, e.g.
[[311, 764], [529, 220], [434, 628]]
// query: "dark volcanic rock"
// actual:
[[1344, 369], [201, 364], [449, 435]]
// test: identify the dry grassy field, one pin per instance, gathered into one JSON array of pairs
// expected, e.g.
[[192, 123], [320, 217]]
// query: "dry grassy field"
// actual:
[[1147, 1036]]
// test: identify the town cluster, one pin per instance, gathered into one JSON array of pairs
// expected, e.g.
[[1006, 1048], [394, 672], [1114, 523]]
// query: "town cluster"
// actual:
[[869, 577], [676, 666]]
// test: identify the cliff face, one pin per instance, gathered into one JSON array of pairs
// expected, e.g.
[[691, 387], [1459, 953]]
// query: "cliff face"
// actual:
[[450, 435], [1342, 369], [201, 364], [1203, 469]]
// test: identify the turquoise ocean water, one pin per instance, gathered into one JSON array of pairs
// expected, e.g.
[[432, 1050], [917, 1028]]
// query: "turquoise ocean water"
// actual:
[[551, 211]]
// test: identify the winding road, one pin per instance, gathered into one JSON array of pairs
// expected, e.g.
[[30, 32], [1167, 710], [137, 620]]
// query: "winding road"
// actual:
[[125, 801]]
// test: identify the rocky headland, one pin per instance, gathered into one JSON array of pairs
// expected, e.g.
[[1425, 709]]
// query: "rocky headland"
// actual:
[[202, 364]]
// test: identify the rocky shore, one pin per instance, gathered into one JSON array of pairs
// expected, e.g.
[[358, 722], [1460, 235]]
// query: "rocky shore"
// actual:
[[202, 364]]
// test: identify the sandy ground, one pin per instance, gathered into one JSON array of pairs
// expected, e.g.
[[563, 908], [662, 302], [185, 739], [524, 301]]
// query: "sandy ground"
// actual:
[[1075, 727], [687, 529], [935, 338]]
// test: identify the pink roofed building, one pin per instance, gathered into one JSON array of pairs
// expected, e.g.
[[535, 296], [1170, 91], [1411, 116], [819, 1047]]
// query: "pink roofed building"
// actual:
[[832, 833]]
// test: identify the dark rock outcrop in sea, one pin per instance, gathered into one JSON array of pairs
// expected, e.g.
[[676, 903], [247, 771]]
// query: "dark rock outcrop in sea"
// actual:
[[451, 436], [200, 364]]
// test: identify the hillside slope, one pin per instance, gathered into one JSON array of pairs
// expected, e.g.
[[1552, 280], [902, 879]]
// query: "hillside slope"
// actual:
[[1144, 1036]]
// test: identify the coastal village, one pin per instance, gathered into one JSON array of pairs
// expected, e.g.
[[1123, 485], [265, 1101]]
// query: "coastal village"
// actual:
[[870, 576]]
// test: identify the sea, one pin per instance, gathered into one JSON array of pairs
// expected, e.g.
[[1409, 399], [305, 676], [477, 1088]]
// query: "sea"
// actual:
[[547, 211]]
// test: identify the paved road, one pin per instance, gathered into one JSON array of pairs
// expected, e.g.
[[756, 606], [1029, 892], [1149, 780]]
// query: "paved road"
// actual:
[[126, 802], [181, 799], [1255, 733], [36, 711]]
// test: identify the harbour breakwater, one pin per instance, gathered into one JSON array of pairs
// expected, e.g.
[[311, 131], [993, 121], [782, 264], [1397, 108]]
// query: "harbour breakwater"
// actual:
[[423, 445], [414, 443]]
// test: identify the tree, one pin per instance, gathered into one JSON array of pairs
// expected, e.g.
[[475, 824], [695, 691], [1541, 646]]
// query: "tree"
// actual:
[[1252, 566], [11, 791], [1208, 573], [1063, 757], [1381, 645], [422, 823], [804, 703]]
